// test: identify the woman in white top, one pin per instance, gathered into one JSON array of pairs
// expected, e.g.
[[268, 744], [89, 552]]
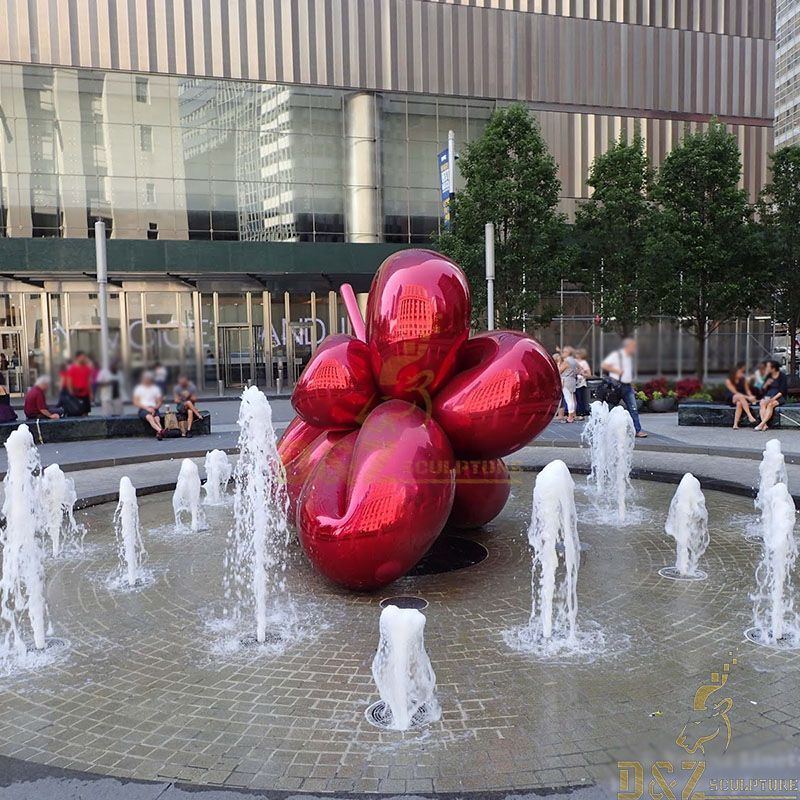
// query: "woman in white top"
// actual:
[[147, 398], [569, 376]]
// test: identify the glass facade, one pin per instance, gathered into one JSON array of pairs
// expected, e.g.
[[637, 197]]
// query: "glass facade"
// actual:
[[228, 337], [186, 158], [787, 73]]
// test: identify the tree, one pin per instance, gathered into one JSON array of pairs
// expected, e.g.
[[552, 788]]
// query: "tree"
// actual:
[[510, 179], [612, 230], [702, 241], [780, 214]]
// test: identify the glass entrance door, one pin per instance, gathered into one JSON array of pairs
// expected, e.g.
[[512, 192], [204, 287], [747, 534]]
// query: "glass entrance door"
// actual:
[[11, 361], [235, 355]]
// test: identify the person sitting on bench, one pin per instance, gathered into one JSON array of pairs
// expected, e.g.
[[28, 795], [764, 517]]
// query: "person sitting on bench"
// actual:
[[147, 398], [186, 398], [35, 406]]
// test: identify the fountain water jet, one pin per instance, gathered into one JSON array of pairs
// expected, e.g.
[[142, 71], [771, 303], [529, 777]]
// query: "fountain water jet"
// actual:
[[256, 550], [22, 586], [186, 497], [554, 521], [403, 673], [687, 524], [129, 538], [610, 436], [775, 621], [57, 508], [218, 474], [593, 435], [771, 471]]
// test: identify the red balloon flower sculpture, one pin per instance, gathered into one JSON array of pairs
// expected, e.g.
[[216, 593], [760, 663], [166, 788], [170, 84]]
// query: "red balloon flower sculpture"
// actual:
[[401, 428]]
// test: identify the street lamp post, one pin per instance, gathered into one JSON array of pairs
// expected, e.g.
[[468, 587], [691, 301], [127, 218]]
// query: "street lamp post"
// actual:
[[102, 295], [489, 234]]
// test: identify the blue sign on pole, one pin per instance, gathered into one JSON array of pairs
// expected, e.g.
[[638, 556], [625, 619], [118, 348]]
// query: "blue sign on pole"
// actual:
[[444, 182]]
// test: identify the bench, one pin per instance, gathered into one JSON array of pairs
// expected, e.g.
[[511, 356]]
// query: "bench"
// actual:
[[81, 429], [720, 415]]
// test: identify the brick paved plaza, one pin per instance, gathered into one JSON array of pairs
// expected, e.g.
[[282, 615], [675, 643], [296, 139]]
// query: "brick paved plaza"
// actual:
[[142, 691]]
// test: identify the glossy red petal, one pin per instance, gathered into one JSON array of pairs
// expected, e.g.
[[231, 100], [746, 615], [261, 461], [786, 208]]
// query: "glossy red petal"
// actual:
[[505, 392], [379, 498], [336, 389], [482, 489], [417, 319]]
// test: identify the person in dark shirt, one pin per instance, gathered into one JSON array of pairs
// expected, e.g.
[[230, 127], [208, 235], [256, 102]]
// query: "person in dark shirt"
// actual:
[[7, 414], [185, 393], [35, 406], [775, 388]]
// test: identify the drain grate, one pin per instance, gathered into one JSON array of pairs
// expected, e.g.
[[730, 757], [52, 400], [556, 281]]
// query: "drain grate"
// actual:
[[405, 601], [790, 642], [448, 554], [673, 574], [380, 715], [54, 643], [251, 641]]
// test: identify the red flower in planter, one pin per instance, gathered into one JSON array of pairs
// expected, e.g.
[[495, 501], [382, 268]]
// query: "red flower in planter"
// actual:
[[402, 432]]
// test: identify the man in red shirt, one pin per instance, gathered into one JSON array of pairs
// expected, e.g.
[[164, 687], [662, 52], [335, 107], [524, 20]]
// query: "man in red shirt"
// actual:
[[36, 400], [79, 381]]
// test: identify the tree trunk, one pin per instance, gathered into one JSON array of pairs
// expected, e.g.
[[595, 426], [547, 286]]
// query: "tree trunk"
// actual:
[[701, 342]]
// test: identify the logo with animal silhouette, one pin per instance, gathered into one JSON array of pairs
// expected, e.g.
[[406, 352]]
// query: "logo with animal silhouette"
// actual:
[[710, 719], [708, 725]]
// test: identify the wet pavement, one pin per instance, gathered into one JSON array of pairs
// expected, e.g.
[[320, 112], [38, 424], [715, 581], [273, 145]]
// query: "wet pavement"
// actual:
[[144, 691]]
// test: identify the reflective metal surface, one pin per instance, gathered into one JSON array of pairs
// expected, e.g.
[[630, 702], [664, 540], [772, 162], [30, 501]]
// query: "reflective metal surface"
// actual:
[[379, 498], [336, 389], [506, 391], [482, 489], [417, 317]]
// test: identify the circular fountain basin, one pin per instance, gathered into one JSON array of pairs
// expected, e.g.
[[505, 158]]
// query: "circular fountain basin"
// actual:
[[144, 689]]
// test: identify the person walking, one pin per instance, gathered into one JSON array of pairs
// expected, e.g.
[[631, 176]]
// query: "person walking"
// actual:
[[619, 364], [569, 374], [582, 387]]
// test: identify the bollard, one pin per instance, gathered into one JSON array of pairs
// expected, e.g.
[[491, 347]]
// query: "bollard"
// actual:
[[278, 383], [221, 388]]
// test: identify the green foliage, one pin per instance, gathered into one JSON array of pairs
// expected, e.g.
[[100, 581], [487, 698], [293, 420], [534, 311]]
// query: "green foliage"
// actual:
[[780, 213], [510, 179], [703, 246], [611, 230]]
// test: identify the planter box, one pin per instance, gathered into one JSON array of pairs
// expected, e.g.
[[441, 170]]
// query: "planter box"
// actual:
[[662, 404]]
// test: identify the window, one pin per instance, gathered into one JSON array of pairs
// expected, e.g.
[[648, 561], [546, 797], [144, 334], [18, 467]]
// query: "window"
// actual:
[[142, 90], [145, 138], [150, 194]]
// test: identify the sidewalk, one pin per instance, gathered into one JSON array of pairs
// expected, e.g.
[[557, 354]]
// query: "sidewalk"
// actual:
[[665, 437]]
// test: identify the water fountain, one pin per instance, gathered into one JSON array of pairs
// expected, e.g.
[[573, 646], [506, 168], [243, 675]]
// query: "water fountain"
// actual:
[[22, 586], [218, 474], [129, 538], [775, 621], [256, 551], [553, 527], [771, 470], [57, 508], [186, 497], [610, 436], [687, 524], [593, 435], [403, 673]]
